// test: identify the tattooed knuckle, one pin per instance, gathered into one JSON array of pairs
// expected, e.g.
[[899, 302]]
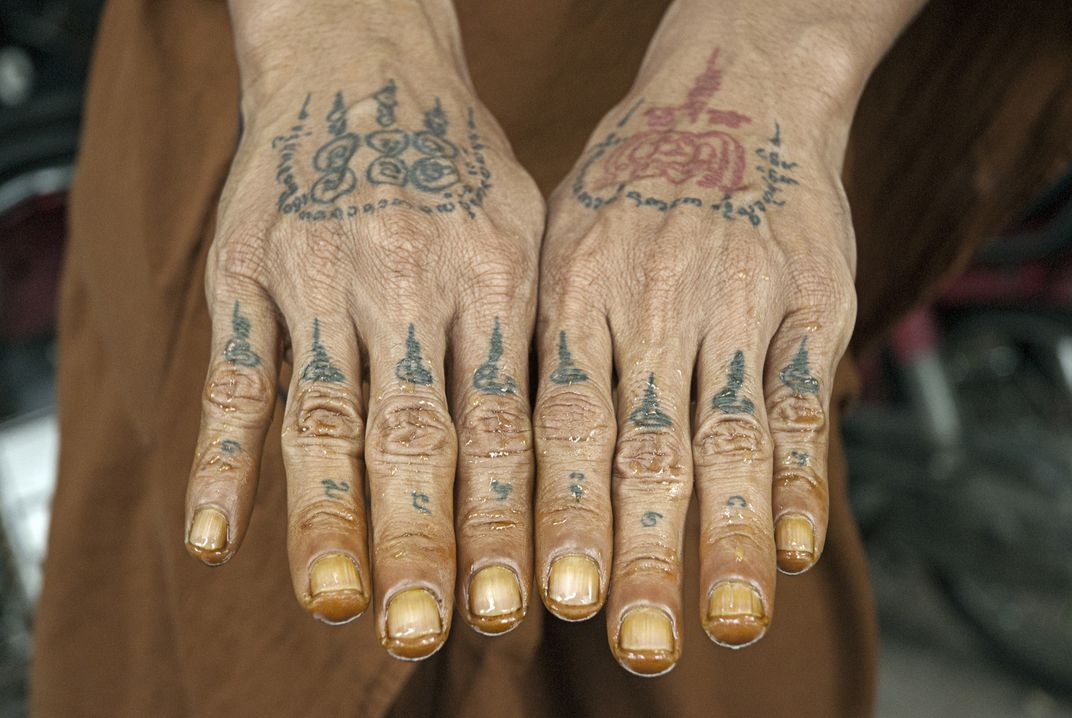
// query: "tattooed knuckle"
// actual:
[[238, 396], [661, 455], [797, 413], [325, 417], [571, 415], [407, 427], [496, 427], [730, 438]]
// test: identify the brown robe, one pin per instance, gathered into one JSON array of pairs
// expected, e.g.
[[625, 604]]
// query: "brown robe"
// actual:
[[965, 120]]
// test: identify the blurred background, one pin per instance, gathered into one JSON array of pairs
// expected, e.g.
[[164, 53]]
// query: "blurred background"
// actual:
[[960, 451]]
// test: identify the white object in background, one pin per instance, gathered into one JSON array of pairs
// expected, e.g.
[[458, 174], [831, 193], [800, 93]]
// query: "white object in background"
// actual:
[[28, 463]]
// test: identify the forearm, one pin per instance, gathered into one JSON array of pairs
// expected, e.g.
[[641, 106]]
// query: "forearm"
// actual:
[[810, 58]]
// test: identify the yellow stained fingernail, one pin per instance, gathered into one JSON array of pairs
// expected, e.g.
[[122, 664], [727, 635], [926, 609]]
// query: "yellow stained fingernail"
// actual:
[[795, 539], [332, 573], [494, 591], [735, 599], [574, 581], [646, 630], [413, 614], [208, 531]]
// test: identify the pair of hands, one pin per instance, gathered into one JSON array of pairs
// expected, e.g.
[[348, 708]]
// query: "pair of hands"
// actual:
[[690, 296]]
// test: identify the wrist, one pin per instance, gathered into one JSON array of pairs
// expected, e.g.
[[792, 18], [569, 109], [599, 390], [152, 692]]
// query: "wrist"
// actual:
[[296, 44]]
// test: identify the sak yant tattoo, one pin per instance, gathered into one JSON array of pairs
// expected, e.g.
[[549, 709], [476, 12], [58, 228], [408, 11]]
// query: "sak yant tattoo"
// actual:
[[726, 400], [800, 458], [410, 368], [320, 367], [575, 488], [566, 372], [486, 378], [680, 147], [797, 374], [420, 502], [501, 488], [648, 415], [650, 518], [363, 146], [332, 489], [737, 502], [238, 350]]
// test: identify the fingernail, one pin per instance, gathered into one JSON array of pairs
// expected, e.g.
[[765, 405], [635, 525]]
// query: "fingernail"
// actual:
[[573, 583], [494, 593], [646, 641], [795, 539], [208, 531], [333, 573], [735, 614], [413, 624]]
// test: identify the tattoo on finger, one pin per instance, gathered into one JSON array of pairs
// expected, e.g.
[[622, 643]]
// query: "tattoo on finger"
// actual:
[[238, 350], [320, 367], [648, 415], [726, 400], [797, 374], [411, 367], [486, 378], [566, 372]]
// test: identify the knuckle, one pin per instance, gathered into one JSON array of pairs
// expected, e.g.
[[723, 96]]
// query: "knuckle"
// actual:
[[325, 416], [235, 396], [572, 415], [794, 412], [225, 461], [241, 256], [570, 513], [825, 286], [481, 520], [730, 438], [411, 427], [660, 455], [654, 559], [496, 427], [737, 538], [417, 543], [325, 516], [800, 480]]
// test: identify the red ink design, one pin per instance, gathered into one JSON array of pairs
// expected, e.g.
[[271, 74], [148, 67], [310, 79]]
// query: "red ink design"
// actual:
[[713, 158]]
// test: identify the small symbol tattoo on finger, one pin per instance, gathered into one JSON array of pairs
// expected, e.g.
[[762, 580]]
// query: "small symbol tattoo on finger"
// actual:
[[238, 350], [649, 415], [332, 489], [420, 502], [726, 400], [486, 378], [229, 446], [575, 488], [320, 367], [737, 502], [411, 367], [566, 372], [800, 458], [501, 488], [650, 518], [797, 374]]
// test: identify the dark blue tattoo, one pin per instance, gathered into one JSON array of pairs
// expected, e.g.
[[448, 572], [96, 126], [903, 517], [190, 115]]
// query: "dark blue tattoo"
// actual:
[[566, 373], [320, 367], [648, 415], [411, 367], [726, 400]]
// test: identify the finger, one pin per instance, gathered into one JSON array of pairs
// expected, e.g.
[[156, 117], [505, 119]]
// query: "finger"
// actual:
[[410, 455], [800, 370], [651, 492], [494, 490], [732, 454], [236, 410], [575, 431], [322, 441]]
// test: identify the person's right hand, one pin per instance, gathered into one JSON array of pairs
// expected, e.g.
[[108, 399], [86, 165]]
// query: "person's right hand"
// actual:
[[374, 222]]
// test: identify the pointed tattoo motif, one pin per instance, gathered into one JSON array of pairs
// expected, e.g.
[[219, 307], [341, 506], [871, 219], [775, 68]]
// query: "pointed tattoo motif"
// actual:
[[501, 488], [411, 367], [796, 375], [575, 488], [727, 400], [385, 104], [566, 373], [320, 367], [420, 502], [650, 518], [486, 377], [238, 351], [648, 415]]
